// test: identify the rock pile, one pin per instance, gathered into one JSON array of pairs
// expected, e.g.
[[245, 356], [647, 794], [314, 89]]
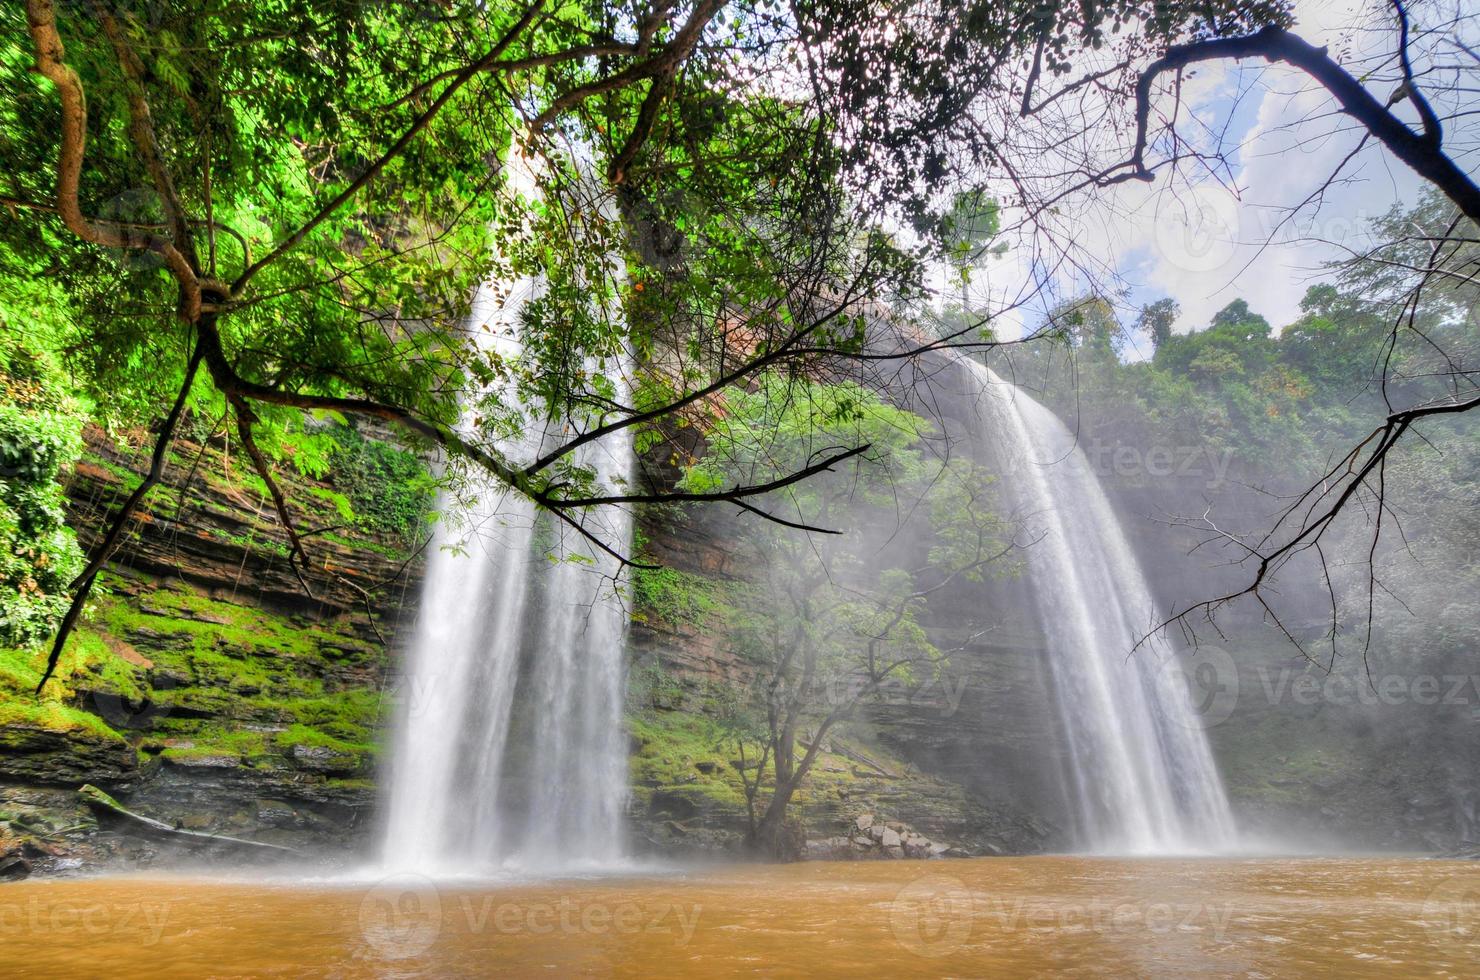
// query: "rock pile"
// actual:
[[872, 838]]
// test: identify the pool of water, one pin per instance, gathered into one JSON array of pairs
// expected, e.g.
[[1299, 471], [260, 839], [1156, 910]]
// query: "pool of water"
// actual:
[[998, 916]]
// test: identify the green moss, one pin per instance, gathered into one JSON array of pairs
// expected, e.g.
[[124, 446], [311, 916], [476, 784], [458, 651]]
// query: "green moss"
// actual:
[[55, 716], [673, 751], [213, 742], [128, 480], [305, 735], [89, 659], [680, 598]]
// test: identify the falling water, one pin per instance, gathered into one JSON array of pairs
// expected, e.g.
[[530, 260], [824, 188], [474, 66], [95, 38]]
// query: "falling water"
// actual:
[[1141, 775], [508, 750]]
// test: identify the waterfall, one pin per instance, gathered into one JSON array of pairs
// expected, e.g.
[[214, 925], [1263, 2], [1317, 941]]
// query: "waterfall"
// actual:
[[1141, 775], [508, 750]]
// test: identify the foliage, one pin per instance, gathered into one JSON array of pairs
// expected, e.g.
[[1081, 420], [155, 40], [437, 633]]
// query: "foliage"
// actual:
[[39, 435], [388, 489], [674, 597]]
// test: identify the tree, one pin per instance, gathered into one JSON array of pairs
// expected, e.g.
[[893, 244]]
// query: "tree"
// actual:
[[833, 619], [1157, 320], [259, 211]]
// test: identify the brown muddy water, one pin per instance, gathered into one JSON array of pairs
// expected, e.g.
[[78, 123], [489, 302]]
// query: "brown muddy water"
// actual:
[[989, 917]]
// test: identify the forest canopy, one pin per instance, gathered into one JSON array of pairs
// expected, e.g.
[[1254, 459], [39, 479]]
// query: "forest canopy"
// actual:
[[269, 215]]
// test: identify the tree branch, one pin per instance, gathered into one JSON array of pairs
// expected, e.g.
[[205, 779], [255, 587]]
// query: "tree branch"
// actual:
[[83, 583], [1420, 151]]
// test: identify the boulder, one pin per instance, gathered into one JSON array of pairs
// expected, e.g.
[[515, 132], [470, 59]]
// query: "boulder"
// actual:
[[864, 821], [890, 837]]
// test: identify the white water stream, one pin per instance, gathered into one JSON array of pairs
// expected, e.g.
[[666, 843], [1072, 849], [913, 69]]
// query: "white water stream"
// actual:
[[1141, 775], [509, 752]]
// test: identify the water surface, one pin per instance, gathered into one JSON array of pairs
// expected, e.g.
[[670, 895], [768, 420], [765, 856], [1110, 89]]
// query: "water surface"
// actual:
[[999, 916]]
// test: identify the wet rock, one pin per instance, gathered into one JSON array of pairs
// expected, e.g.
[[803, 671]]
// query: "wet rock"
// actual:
[[204, 761], [35, 755], [13, 867], [323, 759]]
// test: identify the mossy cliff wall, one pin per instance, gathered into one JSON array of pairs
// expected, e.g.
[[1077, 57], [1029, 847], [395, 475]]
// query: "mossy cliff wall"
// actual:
[[206, 686]]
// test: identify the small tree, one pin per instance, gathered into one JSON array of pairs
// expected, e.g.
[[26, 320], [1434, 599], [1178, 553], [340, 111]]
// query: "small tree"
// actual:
[[835, 615]]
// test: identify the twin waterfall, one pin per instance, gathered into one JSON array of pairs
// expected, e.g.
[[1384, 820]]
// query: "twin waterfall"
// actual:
[[508, 751], [1140, 772]]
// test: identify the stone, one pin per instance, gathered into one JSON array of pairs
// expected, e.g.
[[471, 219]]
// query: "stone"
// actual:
[[877, 831], [321, 758], [706, 766], [864, 821], [13, 867], [890, 837], [221, 761], [896, 852], [33, 754]]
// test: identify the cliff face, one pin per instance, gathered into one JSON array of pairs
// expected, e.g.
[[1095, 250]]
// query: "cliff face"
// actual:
[[208, 686], [210, 690]]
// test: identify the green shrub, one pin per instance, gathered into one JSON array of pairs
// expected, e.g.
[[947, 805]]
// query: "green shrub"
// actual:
[[40, 432], [390, 490]]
